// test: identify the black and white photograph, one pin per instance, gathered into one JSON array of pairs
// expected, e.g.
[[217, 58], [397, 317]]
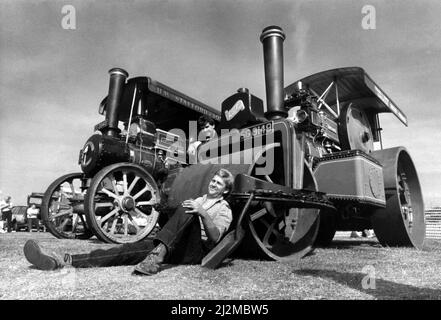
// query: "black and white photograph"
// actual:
[[232, 152]]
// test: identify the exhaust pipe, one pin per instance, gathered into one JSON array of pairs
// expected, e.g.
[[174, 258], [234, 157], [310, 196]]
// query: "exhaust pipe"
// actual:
[[272, 38], [118, 78]]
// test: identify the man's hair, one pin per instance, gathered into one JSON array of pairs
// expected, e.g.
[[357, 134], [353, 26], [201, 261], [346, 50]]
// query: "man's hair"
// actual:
[[203, 120], [228, 178]]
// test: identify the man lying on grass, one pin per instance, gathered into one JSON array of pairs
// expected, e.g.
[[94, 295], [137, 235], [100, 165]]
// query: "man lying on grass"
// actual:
[[183, 239]]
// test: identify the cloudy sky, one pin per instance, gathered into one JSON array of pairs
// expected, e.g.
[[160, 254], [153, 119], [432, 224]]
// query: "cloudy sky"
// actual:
[[52, 79]]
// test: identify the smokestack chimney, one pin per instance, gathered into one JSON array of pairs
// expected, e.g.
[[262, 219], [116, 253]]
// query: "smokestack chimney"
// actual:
[[117, 80], [272, 38]]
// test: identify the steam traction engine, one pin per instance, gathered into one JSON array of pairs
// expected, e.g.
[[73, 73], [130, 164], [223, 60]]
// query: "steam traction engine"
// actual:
[[304, 168]]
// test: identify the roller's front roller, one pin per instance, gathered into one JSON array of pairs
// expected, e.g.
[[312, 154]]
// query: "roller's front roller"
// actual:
[[402, 222]]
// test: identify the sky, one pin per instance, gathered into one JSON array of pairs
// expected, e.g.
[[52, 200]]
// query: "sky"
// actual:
[[52, 79]]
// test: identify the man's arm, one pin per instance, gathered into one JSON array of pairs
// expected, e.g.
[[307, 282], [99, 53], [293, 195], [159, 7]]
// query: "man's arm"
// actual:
[[196, 208], [211, 230]]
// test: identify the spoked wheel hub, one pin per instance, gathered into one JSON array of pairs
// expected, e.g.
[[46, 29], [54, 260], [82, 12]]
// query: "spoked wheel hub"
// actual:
[[127, 204], [405, 199]]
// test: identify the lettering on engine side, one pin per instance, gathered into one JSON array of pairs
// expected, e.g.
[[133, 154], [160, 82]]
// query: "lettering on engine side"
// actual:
[[235, 109]]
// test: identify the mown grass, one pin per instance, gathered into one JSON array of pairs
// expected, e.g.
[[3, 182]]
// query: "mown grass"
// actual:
[[332, 273]]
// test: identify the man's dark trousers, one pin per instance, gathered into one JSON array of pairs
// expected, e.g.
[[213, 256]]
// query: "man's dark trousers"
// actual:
[[181, 235]]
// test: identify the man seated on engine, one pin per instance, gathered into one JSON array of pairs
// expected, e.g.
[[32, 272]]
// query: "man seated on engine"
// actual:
[[194, 229], [207, 132]]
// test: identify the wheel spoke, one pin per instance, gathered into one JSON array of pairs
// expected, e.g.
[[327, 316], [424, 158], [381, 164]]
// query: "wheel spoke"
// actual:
[[258, 214], [126, 226], [270, 230], [267, 178], [125, 183], [63, 224], [82, 220], [132, 185], [103, 204], [146, 203], [109, 193], [66, 196], [112, 229], [140, 212], [55, 205], [270, 208], [75, 223], [113, 181], [290, 227], [72, 188], [146, 188], [62, 213], [138, 229], [107, 216]]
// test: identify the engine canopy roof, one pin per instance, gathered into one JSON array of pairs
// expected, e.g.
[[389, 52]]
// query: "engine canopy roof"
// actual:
[[352, 84]]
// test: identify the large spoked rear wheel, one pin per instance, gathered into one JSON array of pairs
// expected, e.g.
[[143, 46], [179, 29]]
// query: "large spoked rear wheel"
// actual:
[[281, 233], [119, 203], [62, 208], [402, 222]]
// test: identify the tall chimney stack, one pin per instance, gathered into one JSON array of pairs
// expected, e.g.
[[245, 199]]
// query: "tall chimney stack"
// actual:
[[272, 38], [117, 80]]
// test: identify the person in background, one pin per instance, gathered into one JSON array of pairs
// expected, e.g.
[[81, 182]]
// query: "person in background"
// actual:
[[192, 231], [207, 128], [6, 209], [32, 213]]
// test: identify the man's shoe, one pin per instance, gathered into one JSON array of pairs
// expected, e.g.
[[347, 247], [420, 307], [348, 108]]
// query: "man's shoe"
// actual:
[[149, 266], [152, 263], [39, 259]]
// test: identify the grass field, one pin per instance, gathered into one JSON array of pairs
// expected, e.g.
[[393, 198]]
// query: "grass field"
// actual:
[[338, 272]]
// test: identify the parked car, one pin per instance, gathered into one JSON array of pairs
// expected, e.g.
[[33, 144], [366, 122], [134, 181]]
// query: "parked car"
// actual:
[[20, 219]]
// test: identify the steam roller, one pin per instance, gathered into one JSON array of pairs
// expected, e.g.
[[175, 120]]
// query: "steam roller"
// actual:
[[306, 164]]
